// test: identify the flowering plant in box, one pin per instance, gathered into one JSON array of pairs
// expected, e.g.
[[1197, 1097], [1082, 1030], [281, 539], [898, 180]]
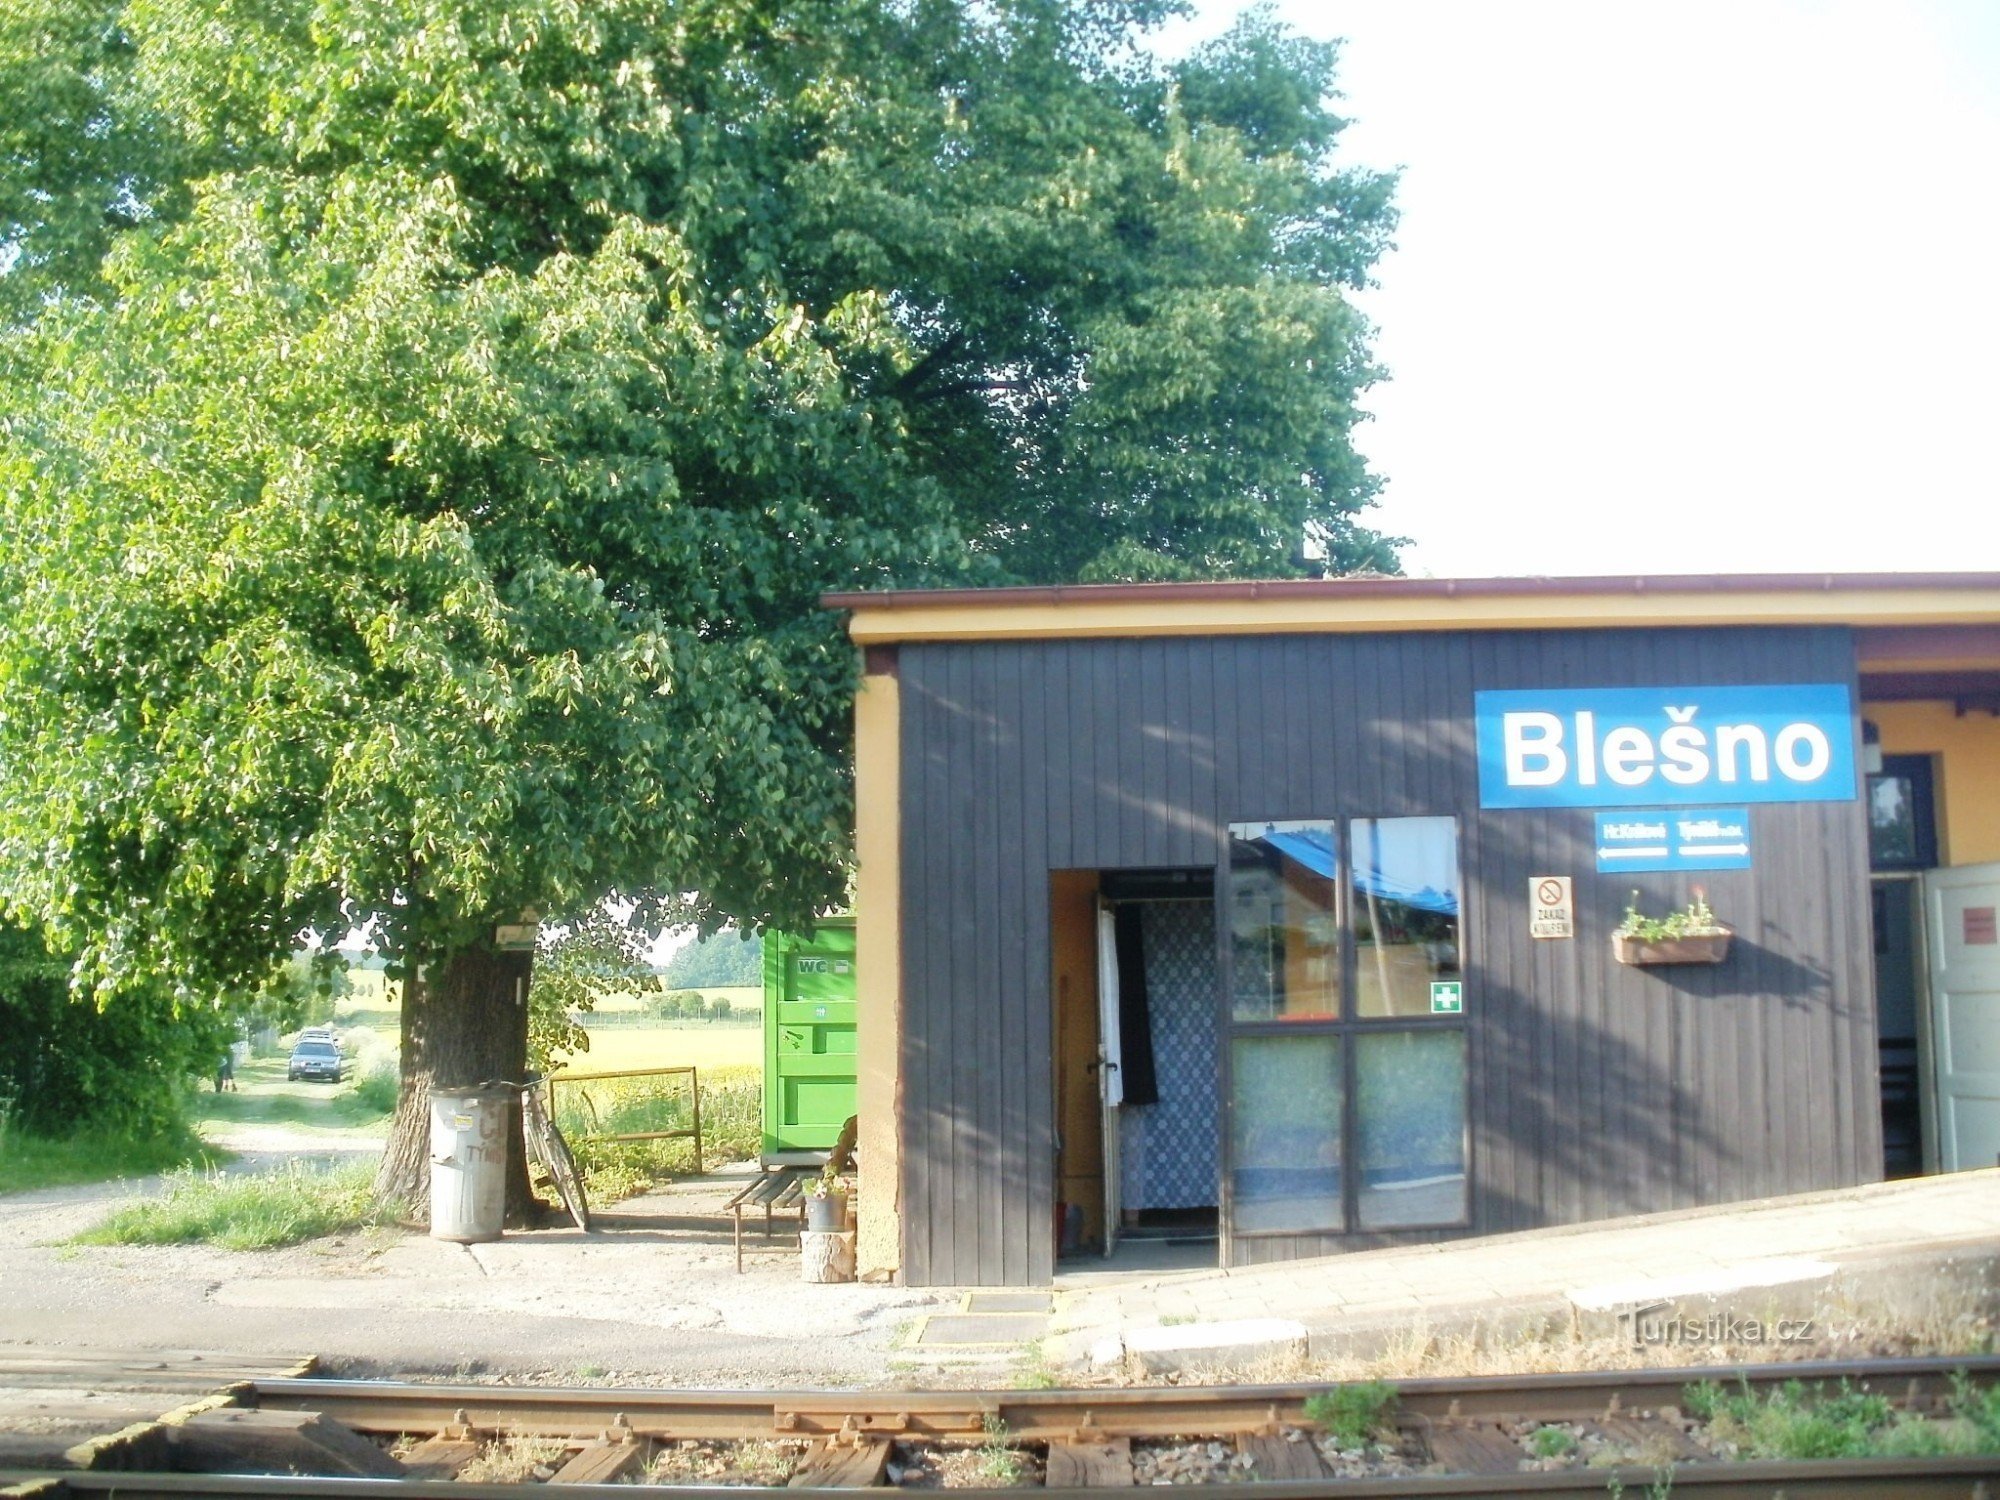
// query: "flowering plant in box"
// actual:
[[1693, 920], [1692, 935]]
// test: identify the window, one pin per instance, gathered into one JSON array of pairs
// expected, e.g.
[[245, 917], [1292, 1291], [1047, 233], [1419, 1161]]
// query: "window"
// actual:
[[1410, 1097], [1285, 1132], [1347, 1057], [1284, 922], [1902, 825], [1405, 912]]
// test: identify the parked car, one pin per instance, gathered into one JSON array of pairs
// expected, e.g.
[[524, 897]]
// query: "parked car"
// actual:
[[315, 1057]]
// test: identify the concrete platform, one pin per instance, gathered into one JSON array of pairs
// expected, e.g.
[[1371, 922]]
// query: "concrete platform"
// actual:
[[1701, 1274]]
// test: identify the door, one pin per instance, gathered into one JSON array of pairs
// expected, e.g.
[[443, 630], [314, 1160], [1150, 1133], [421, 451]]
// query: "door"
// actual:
[[1962, 905], [809, 1033], [1111, 1091], [1901, 1027]]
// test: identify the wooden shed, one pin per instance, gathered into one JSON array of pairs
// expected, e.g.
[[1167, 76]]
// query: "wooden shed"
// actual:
[[1276, 919]]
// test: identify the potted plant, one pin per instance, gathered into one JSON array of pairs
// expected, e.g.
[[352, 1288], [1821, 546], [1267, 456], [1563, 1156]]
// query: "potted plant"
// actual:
[[826, 1204], [1692, 935]]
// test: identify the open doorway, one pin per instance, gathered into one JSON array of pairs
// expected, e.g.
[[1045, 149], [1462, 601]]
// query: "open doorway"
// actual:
[[1137, 1069], [1902, 845]]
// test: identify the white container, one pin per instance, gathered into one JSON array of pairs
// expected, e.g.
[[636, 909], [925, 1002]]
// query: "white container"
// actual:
[[468, 1163]]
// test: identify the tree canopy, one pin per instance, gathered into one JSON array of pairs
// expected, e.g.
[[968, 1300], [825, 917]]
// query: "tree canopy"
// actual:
[[426, 427], [718, 961]]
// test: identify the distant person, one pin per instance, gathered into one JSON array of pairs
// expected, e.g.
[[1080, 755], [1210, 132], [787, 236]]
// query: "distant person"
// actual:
[[225, 1071]]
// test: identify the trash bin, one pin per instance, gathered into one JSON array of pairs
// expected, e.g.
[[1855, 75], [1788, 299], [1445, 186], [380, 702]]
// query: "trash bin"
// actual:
[[469, 1162]]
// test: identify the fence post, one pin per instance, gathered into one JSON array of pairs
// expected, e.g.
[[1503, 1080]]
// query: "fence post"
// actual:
[[694, 1087]]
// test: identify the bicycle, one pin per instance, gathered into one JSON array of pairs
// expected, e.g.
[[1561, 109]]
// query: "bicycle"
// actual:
[[548, 1151]]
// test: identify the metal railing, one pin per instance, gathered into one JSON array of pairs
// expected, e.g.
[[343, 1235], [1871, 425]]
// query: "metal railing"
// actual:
[[565, 1079]]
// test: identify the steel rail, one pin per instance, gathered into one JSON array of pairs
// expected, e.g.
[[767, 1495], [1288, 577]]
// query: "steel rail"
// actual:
[[1058, 1415], [1861, 1479]]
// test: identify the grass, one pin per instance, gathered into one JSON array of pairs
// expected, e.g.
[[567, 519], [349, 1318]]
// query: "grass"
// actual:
[[514, 1460], [732, 1126], [1552, 1442], [245, 1213], [1034, 1373], [28, 1162], [1352, 1414], [996, 1462], [1796, 1421]]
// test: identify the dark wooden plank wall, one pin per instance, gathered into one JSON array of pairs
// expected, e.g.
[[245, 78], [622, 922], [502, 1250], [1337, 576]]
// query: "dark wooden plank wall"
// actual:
[[1596, 1090]]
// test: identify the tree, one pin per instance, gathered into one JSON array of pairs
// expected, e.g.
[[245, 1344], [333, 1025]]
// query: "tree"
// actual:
[[419, 508], [722, 959]]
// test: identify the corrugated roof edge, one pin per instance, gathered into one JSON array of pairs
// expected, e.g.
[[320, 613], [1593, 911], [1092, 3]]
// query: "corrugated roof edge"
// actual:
[[1309, 588]]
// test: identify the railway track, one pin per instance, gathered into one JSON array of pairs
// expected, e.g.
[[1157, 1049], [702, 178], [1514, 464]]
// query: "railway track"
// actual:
[[1466, 1436]]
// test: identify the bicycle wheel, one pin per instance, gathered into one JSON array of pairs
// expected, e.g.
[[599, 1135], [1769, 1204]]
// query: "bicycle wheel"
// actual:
[[551, 1153]]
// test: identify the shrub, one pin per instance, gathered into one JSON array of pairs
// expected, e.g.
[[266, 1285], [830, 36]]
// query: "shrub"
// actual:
[[123, 1071], [378, 1087]]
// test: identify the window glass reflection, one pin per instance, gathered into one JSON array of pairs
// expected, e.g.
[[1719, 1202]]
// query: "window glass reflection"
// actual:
[[1406, 912], [1284, 921], [1892, 822]]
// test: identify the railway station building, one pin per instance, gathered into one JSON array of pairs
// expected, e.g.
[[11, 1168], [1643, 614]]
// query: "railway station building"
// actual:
[[1277, 919]]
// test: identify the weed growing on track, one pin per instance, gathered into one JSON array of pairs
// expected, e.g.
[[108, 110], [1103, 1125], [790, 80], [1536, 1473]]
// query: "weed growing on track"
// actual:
[[515, 1460], [1797, 1421], [996, 1461], [1353, 1414], [245, 1213], [1552, 1442]]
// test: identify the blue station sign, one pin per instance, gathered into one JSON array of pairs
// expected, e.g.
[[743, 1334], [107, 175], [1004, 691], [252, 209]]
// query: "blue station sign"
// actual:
[[1642, 747], [1707, 838]]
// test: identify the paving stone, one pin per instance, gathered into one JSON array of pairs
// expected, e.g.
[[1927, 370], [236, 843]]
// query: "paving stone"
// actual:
[[1009, 1302], [1863, 1241], [960, 1330]]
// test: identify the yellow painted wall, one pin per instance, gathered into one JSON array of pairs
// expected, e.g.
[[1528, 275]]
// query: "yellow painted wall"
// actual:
[[1967, 752], [878, 1042]]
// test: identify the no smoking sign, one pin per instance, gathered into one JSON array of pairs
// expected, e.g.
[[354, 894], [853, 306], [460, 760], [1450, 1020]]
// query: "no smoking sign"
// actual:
[[1550, 912]]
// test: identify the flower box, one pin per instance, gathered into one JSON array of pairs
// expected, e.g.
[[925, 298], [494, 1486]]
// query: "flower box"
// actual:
[[1688, 948]]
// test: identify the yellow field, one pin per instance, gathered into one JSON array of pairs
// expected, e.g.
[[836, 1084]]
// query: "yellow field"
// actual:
[[667, 1044], [699, 1045]]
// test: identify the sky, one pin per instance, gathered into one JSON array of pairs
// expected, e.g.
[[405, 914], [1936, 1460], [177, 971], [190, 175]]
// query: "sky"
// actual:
[[1684, 286]]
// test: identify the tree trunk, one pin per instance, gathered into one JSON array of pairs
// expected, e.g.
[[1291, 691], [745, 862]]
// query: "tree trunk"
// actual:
[[465, 1021]]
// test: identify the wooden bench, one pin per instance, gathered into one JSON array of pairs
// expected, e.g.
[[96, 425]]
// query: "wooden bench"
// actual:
[[780, 1190]]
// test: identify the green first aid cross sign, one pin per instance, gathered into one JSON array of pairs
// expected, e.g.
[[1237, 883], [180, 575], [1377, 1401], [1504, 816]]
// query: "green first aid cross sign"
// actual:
[[1447, 997]]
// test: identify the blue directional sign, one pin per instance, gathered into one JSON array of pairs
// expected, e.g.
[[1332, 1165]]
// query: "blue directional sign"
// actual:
[[1698, 838]]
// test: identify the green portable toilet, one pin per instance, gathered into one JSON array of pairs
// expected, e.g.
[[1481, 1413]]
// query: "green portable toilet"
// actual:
[[809, 1011]]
